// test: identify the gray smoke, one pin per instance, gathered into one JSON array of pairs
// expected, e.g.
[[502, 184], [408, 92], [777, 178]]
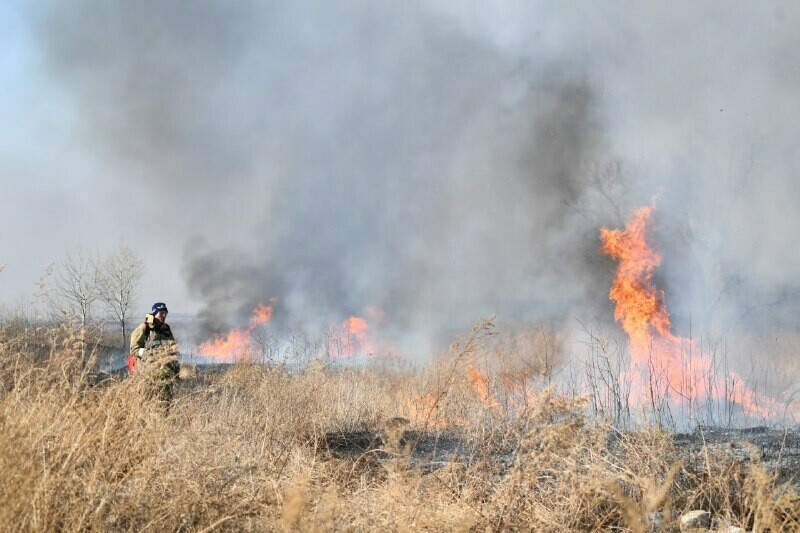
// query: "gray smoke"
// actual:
[[444, 161]]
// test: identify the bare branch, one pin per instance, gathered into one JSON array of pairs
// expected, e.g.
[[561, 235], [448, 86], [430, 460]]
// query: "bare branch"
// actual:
[[77, 286], [118, 282]]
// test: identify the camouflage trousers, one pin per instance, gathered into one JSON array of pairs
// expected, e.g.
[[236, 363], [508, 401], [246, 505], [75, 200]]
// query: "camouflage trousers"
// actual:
[[159, 371]]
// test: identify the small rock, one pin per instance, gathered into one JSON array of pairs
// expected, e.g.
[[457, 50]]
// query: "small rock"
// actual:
[[697, 520], [655, 521], [721, 525]]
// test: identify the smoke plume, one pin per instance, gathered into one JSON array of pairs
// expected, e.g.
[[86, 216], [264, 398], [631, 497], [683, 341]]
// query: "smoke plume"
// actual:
[[444, 161]]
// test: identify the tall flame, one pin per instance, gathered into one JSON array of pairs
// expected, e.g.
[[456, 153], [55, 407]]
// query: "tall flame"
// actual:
[[660, 359], [639, 305]]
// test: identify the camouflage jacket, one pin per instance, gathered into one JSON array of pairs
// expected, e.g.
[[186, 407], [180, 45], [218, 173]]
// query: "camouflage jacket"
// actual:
[[149, 336]]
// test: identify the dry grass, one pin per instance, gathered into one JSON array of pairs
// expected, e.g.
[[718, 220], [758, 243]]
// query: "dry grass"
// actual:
[[246, 450]]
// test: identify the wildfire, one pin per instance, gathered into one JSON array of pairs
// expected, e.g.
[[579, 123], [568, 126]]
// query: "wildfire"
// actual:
[[238, 343], [353, 337], [262, 314], [512, 389], [480, 384], [639, 305], [661, 361], [356, 330], [423, 410]]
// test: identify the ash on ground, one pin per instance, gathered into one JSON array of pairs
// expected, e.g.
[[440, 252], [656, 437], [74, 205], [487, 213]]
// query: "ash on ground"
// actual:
[[428, 451], [776, 449]]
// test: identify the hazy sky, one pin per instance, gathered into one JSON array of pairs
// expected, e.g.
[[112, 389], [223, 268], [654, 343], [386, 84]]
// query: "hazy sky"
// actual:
[[440, 160]]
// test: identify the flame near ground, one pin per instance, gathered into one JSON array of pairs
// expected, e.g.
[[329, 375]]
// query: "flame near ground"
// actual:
[[353, 337], [237, 344], [665, 369]]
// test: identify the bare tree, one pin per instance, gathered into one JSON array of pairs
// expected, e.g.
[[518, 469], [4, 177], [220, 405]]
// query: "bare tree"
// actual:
[[77, 290], [77, 286], [120, 275]]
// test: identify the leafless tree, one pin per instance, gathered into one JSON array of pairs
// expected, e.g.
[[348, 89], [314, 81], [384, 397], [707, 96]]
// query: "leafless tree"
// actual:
[[119, 277], [77, 290], [77, 286]]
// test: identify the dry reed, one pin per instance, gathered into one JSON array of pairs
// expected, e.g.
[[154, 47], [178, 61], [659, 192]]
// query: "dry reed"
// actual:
[[249, 449]]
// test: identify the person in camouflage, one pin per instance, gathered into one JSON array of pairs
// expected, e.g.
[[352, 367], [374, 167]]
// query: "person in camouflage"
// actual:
[[153, 351]]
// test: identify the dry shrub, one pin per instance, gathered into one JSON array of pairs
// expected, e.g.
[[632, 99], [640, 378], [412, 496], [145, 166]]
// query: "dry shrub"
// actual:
[[246, 450]]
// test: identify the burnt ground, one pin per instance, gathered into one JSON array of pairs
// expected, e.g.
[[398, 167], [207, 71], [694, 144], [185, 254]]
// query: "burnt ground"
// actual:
[[428, 451], [777, 450]]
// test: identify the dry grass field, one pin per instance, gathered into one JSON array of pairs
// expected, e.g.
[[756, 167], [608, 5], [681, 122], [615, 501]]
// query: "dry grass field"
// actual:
[[457, 447]]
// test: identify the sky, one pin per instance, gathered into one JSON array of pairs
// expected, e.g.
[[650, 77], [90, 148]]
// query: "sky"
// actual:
[[441, 161]]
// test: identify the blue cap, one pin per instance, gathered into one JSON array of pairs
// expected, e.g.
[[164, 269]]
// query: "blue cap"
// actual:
[[158, 306]]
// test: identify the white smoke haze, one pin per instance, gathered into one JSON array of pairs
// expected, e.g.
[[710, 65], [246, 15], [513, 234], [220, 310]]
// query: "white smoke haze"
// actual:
[[441, 161]]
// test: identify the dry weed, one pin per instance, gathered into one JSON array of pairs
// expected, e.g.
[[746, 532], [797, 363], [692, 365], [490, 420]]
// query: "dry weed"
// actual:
[[249, 449]]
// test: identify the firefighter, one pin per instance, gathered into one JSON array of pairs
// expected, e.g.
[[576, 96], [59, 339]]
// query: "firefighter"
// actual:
[[153, 351]]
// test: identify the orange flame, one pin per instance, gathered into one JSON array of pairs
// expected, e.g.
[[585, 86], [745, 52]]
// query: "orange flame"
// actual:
[[639, 307], [513, 392], [262, 314], [423, 410], [480, 384], [237, 344], [356, 327], [656, 354], [355, 338]]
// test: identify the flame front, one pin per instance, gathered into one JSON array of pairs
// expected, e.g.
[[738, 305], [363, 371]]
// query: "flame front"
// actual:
[[238, 344], [662, 363]]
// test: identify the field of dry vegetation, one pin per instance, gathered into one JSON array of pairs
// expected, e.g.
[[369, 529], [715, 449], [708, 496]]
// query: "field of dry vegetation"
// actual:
[[326, 448]]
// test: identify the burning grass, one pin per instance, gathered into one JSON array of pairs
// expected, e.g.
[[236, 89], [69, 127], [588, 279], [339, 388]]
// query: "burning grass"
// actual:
[[251, 449], [674, 369]]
